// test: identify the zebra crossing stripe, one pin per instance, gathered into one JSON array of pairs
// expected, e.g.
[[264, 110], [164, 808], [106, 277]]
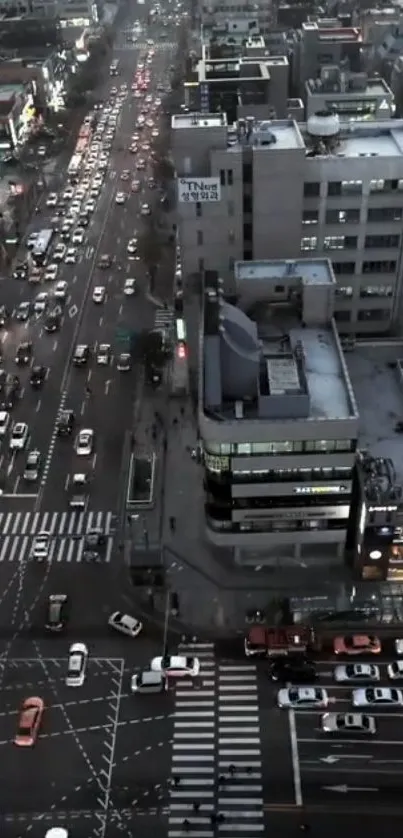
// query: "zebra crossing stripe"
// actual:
[[164, 318], [63, 524], [15, 548]]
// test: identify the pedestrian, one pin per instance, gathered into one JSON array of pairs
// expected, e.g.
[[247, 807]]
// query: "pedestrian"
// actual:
[[196, 806], [176, 781], [221, 818], [213, 819], [232, 770], [221, 780], [186, 825]]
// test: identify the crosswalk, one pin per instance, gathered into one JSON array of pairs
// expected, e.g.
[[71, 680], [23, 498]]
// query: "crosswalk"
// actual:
[[216, 758], [18, 529], [160, 46], [164, 318]]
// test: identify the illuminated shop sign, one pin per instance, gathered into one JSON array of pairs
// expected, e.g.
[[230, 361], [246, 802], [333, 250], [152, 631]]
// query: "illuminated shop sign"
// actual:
[[320, 490]]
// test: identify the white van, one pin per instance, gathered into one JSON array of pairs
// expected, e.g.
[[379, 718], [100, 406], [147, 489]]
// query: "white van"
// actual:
[[57, 832]]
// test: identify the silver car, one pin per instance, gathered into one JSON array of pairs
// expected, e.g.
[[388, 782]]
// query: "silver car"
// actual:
[[348, 723]]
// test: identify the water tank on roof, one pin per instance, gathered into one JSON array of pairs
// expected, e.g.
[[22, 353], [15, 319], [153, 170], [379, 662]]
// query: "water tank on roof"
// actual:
[[324, 124]]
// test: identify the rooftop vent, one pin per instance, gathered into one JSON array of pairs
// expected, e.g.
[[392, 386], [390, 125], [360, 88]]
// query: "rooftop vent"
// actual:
[[324, 124]]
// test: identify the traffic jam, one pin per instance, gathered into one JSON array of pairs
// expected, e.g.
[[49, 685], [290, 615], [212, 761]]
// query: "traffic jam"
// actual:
[[343, 699]]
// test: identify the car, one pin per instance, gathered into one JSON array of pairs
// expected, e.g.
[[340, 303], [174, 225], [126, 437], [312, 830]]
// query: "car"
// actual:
[[11, 393], [24, 353], [68, 193], [302, 697], [31, 240], [176, 666], [130, 287], [4, 422], [77, 665], [71, 256], [90, 205], [32, 467], [395, 670], [78, 235], [81, 355], [65, 233], [84, 442], [149, 682], [78, 491], [51, 200], [105, 261], [125, 175], [398, 644], [133, 150], [141, 164], [21, 271], [57, 613], [65, 423], [29, 722], [377, 697], [103, 354], [41, 546], [60, 250], [53, 321], [151, 183], [3, 316], [357, 672], [23, 311], [125, 624], [294, 670], [348, 723], [124, 362], [51, 272], [357, 644], [132, 246], [38, 376], [120, 198], [98, 294], [41, 302], [155, 133], [75, 208], [145, 210], [61, 289]]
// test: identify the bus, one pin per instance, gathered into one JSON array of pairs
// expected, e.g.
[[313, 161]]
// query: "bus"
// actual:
[[114, 68], [85, 133], [41, 247], [74, 166]]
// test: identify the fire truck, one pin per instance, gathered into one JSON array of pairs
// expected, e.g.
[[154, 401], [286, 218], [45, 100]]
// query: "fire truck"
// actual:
[[267, 642]]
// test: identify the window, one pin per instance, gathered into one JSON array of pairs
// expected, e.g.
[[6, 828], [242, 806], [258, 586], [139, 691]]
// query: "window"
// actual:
[[230, 177], [309, 243], [311, 190], [344, 291], [381, 242], [231, 209], [343, 216], [247, 204], [222, 177], [340, 242], [199, 235], [247, 172], [334, 188], [384, 266], [342, 316], [351, 187], [372, 314], [310, 217], [379, 214], [201, 265], [198, 210], [376, 291], [231, 236], [247, 232], [376, 185], [343, 267]]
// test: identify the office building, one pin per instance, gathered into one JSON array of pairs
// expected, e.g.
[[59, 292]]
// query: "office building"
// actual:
[[79, 12], [324, 43], [350, 95], [275, 189], [277, 416]]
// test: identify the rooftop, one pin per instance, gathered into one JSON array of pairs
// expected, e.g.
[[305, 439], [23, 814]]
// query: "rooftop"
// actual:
[[332, 33], [272, 134], [357, 86], [8, 92], [194, 120], [312, 271], [364, 139]]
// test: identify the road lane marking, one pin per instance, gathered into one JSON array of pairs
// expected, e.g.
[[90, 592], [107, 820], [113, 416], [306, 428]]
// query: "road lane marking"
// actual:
[[73, 310]]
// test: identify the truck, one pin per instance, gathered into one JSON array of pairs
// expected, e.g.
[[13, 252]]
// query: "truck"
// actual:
[[277, 641]]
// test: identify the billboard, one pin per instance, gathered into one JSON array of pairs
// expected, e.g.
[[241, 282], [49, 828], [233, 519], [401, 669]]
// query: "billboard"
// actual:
[[202, 190]]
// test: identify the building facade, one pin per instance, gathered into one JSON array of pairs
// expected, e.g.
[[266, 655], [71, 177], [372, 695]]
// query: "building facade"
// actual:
[[277, 416], [274, 189], [353, 96]]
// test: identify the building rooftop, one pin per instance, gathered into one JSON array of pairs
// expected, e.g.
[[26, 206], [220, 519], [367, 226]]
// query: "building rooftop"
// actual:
[[357, 86], [198, 120], [361, 139], [332, 33], [378, 388], [312, 271], [271, 134], [8, 91]]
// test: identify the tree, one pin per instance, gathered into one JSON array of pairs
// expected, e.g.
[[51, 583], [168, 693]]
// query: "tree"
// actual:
[[150, 350]]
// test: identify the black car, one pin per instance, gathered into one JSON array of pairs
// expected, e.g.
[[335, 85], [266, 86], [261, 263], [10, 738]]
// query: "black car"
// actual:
[[53, 321], [57, 613], [38, 376], [21, 271], [65, 423], [81, 355], [294, 670], [11, 393], [24, 353], [23, 311]]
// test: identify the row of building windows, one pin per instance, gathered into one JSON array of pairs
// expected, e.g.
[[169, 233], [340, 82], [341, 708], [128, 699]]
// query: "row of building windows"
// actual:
[[336, 188], [380, 242], [376, 266], [291, 475], [366, 291], [353, 216], [308, 446], [301, 524], [286, 502], [371, 315]]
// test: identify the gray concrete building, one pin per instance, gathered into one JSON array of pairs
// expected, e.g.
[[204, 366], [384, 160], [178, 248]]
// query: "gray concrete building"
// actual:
[[275, 189], [351, 95], [257, 15], [277, 416], [324, 43]]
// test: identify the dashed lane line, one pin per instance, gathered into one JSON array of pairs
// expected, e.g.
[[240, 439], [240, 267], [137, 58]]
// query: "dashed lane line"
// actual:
[[26, 685], [93, 729]]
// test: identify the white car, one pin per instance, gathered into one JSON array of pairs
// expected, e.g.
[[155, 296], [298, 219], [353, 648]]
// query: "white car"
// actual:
[[300, 697], [103, 354], [51, 200], [98, 294], [31, 240], [132, 247], [41, 302], [59, 252], [85, 442], [77, 665], [60, 291], [145, 209], [130, 287], [377, 696], [71, 256], [347, 723], [78, 236], [365, 672], [395, 670], [4, 422], [399, 646], [51, 273], [89, 206], [125, 624], [19, 436], [176, 666], [41, 545], [68, 193], [75, 207], [120, 198]]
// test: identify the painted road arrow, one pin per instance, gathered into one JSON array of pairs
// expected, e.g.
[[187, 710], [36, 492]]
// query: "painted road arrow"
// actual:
[[331, 760], [345, 789]]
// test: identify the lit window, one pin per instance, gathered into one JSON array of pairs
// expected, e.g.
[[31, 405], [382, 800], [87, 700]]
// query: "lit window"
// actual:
[[309, 243], [333, 242]]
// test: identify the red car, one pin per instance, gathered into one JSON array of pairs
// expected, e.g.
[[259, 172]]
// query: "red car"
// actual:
[[357, 644]]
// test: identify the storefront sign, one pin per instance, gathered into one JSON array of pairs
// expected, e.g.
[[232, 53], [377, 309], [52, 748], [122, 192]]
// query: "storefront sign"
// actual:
[[199, 190], [204, 98]]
